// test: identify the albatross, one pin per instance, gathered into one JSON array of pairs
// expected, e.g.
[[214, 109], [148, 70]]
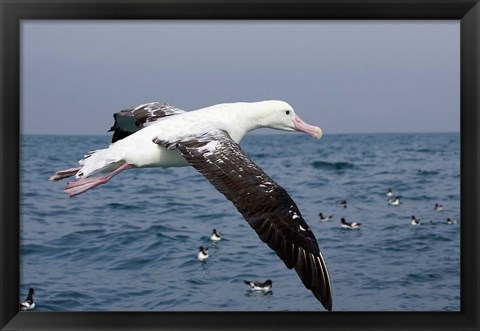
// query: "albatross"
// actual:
[[161, 135]]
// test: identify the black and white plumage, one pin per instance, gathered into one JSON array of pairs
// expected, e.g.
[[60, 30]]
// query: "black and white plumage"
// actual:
[[202, 253], [394, 201], [342, 203], [414, 221], [132, 119], [257, 286], [389, 193], [438, 207], [29, 302], [265, 205], [216, 236], [208, 140], [324, 218], [450, 221], [347, 225]]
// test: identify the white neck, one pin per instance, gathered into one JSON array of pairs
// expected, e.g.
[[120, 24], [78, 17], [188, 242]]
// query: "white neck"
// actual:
[[247, 116]]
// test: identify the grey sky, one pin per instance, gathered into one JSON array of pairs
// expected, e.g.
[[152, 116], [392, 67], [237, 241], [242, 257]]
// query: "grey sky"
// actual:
[[344, 76]]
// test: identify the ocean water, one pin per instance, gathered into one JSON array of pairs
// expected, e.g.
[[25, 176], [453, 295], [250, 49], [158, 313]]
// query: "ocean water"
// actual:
[[131, 245]]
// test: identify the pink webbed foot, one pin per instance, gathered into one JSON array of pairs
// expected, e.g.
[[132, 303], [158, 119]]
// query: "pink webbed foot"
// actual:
[[81, 185]]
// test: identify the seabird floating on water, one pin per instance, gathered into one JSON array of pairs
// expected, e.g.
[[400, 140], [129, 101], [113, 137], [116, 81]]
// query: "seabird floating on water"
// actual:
[[438, 207], [202, 253], [161, 135], [263, 287], [389, 193], [29, 302], [342, 203], [450, 221], [394, 201], [215, 236], [414, 221], [346, 225], [325, 218]]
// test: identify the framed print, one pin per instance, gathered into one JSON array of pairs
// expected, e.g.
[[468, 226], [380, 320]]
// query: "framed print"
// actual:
[[177, 217]]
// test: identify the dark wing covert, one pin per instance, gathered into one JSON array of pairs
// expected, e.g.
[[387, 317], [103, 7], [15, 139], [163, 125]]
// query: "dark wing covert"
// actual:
[[132, 119]]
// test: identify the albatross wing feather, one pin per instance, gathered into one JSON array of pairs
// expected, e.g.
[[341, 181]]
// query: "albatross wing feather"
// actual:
[[264, 204]]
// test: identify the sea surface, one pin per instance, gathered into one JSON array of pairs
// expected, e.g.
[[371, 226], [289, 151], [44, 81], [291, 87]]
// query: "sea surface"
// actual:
[[131, 245]]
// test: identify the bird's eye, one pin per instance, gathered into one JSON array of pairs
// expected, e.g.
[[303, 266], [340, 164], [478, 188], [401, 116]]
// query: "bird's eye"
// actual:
[[287, 112]]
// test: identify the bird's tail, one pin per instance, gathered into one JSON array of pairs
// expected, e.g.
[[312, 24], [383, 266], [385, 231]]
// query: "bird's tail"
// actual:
[[61, 174], [94, 162], [98, 161]]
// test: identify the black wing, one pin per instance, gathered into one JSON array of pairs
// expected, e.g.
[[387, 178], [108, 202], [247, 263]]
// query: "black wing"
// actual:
[[264, 204], [132, 119]]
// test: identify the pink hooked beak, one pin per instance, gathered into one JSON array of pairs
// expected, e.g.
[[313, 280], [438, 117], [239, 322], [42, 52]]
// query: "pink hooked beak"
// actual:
[[301, 126]]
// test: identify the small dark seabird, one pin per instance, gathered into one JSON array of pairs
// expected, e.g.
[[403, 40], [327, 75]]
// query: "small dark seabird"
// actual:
[[389, 193], [450, 221], [394, 201], [263, 287], [438, 207], [414, 221], [215, 236], [325, 218], [342, 203], [346, 225], [202, 253], [29, 302], [161, 135]]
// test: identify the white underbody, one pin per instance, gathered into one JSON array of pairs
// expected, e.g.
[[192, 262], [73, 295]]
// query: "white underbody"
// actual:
[[354, 225], [213, 237], [27, 305]]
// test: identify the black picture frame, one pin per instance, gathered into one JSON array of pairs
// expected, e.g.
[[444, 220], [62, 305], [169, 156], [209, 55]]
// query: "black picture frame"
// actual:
[[13, 11]]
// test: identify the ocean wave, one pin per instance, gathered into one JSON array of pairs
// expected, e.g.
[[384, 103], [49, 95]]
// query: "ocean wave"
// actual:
[[77, 237], [37, 249], [421, 172], [259, 155], [427, 237], [423, 277], [134, 263], [122, 206], [139, 235], [332, 165]]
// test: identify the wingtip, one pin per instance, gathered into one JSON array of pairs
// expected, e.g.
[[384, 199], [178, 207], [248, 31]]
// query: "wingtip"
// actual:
[[325, 299], [328, 306]]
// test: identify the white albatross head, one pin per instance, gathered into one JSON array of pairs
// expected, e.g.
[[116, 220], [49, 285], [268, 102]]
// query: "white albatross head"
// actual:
[[280, 115]]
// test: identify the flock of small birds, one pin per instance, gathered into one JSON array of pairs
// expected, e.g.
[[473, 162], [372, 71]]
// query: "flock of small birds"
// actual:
[[254, 286], [203, 251], [202, 255], [344, 224], [266, 286], [392, 201]]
